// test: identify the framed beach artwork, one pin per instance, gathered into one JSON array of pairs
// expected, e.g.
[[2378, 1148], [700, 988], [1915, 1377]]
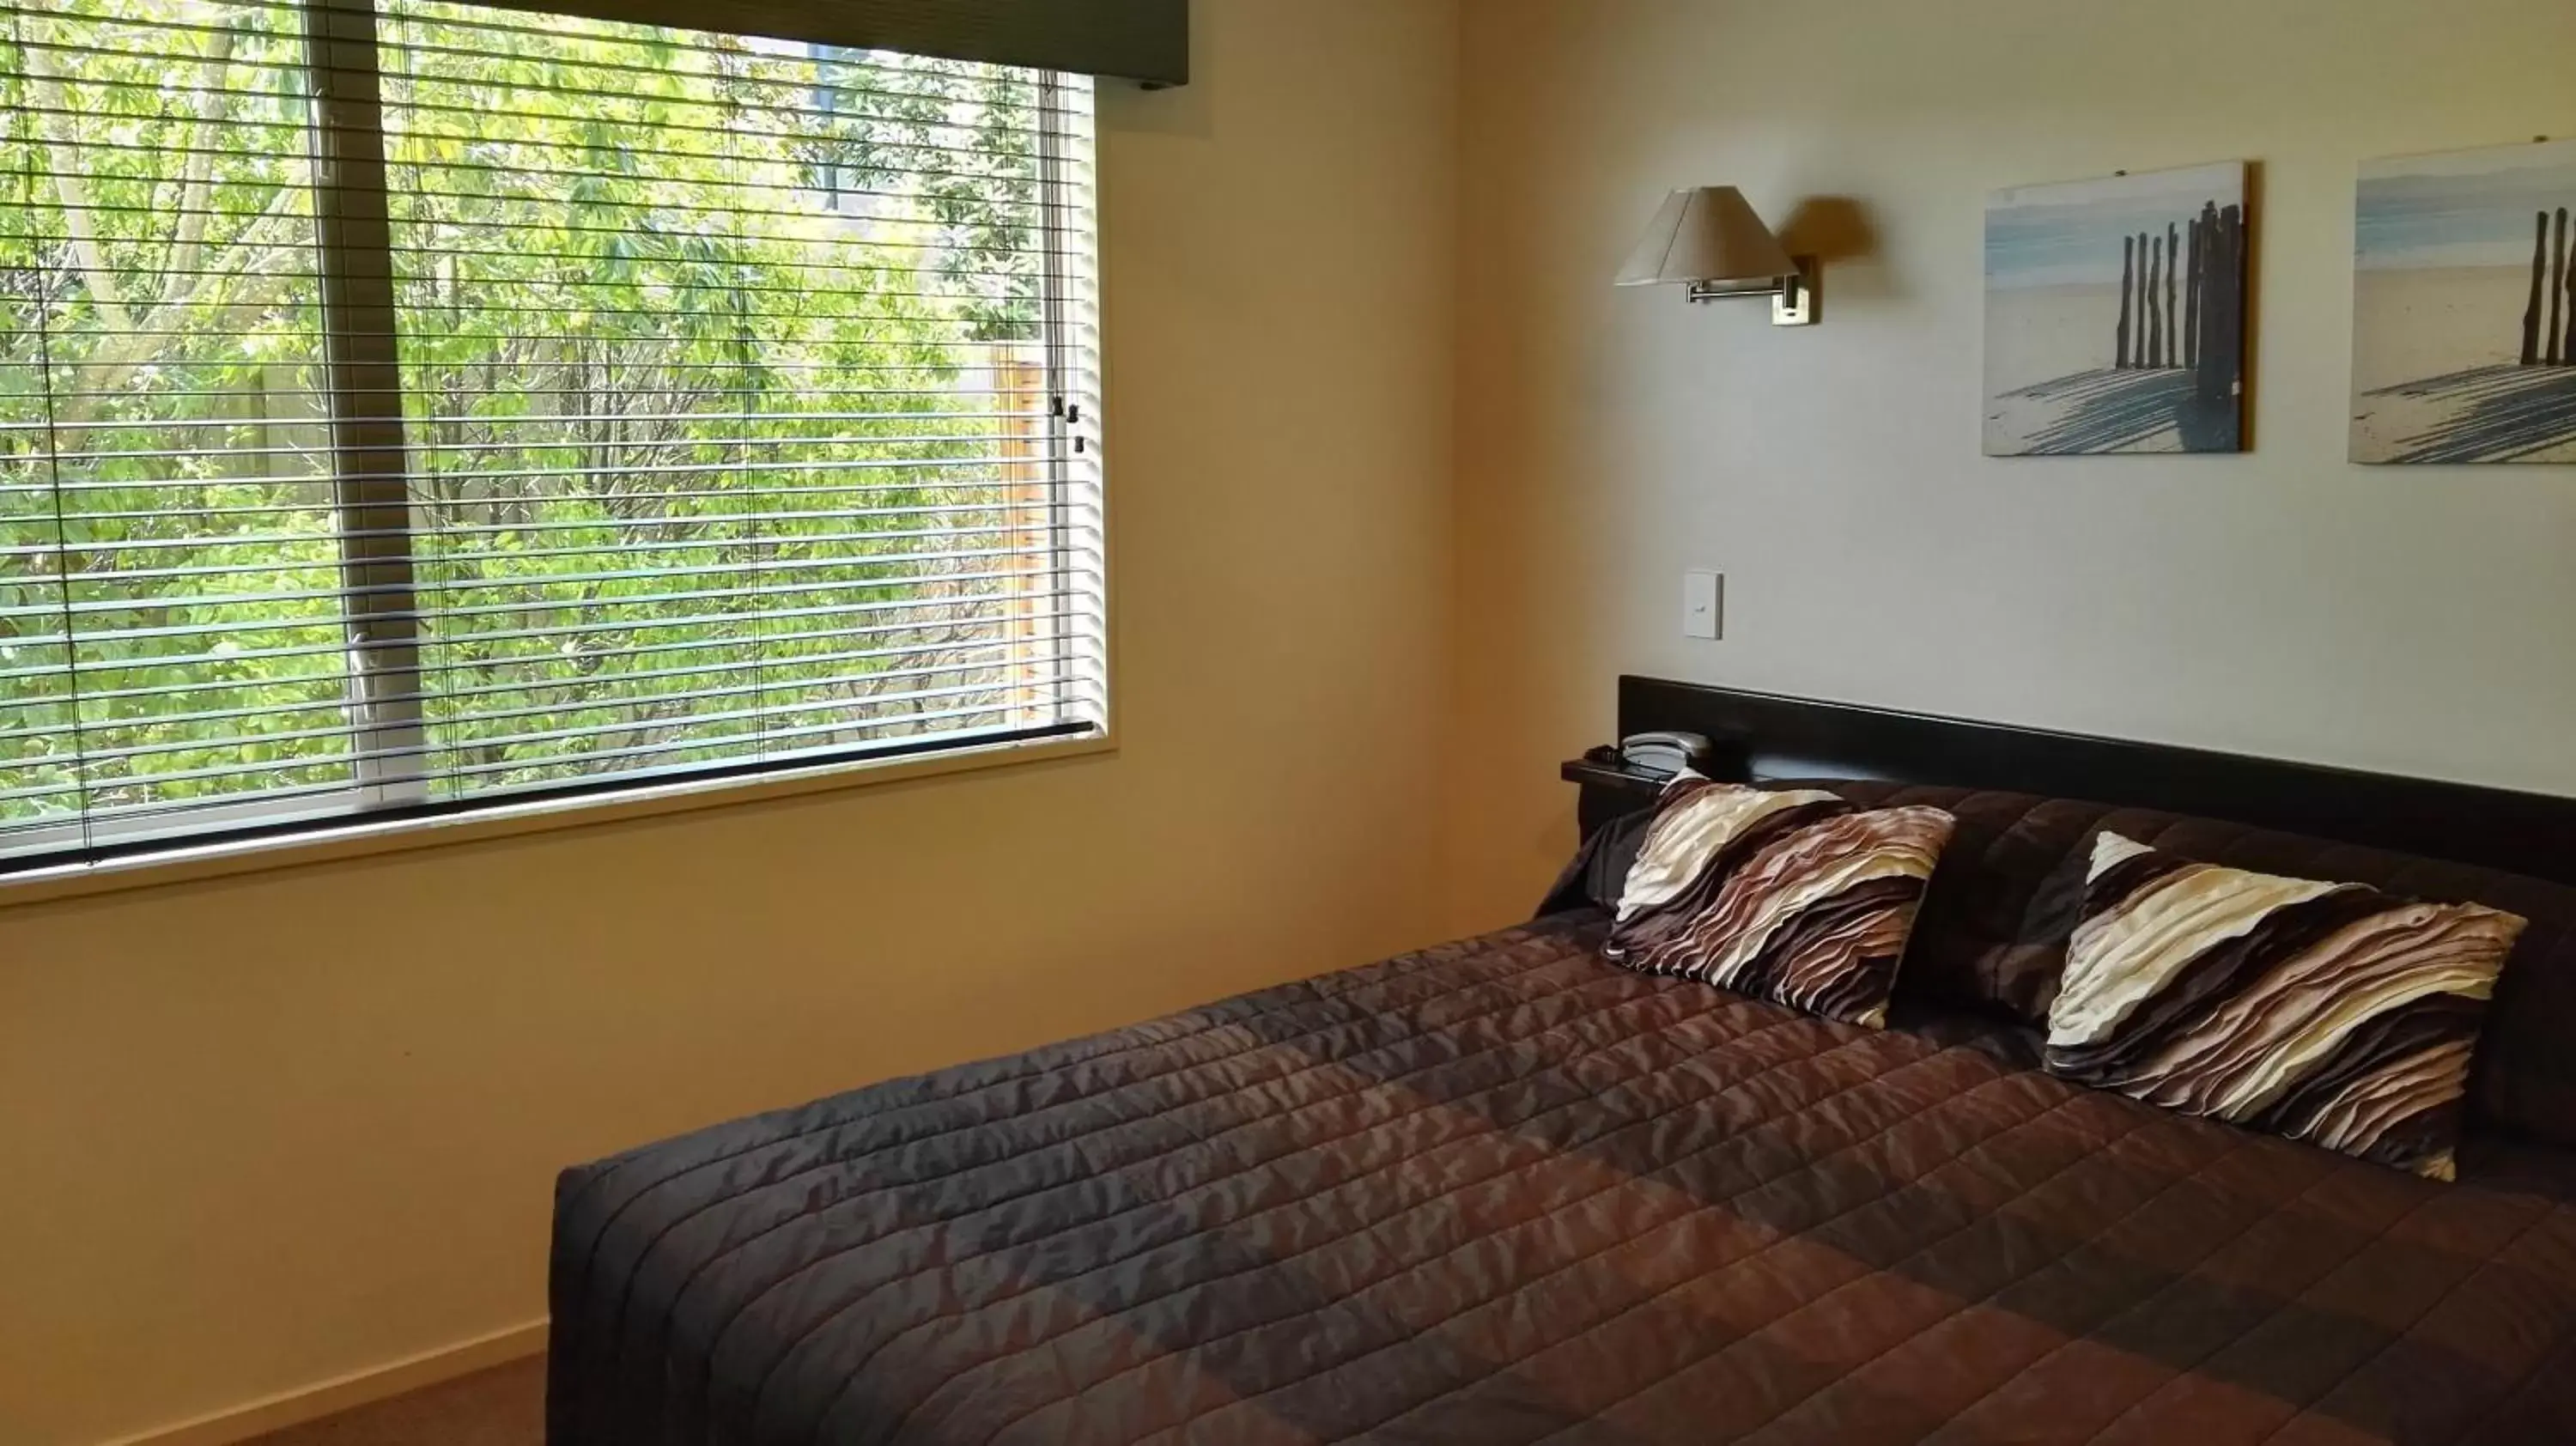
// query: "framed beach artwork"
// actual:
[[2464, 307], [2115, 315]]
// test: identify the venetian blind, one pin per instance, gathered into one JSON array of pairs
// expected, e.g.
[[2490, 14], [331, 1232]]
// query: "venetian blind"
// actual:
[[415, 406]]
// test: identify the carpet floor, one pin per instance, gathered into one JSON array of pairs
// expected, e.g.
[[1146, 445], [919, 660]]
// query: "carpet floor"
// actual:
[[505, 1406]]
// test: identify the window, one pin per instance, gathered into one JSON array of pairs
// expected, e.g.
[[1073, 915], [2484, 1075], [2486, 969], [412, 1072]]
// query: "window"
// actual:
[[410, 406]]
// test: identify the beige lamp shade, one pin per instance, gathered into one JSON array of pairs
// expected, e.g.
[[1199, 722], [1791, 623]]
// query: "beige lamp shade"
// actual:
[[1710, 239]]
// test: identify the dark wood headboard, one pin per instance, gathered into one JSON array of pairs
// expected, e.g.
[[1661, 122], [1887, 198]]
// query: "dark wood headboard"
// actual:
[[1763, 737]]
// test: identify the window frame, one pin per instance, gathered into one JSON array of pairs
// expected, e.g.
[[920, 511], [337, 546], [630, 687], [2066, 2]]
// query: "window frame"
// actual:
[[348, 835], [390, 806]]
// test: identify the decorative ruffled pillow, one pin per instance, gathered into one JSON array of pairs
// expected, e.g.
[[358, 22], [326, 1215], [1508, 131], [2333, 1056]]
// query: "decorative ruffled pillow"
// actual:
[[1797, 896], [2330, 1013]]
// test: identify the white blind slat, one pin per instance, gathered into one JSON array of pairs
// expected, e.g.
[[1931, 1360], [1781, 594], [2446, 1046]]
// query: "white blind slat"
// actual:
[[97, 753], [964, 513], [927, 620]]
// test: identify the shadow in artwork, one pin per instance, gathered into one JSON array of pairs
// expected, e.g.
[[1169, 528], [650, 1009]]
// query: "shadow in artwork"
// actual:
[[2115, 314], [2489, 414], [2121, 411]]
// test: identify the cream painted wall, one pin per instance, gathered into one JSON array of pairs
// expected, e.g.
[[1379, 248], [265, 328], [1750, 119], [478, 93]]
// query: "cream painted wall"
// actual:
[[258, 1133], [262, 1132], [2284, 603]]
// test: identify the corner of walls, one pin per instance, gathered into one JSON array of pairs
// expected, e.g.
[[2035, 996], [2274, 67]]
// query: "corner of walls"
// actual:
[[1527, 689]]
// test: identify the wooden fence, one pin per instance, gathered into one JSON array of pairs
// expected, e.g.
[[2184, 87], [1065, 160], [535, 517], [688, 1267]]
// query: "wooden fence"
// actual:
[[2182, 297], [2549, 321]]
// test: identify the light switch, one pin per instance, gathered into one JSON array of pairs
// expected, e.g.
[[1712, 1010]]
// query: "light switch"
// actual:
[[1703, 605]]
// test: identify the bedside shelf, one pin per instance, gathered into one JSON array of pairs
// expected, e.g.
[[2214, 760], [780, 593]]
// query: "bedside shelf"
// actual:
[[1609, 790], [1608, 775]]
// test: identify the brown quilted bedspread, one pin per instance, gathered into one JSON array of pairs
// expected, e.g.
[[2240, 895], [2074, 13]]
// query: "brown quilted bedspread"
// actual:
[[1501, 1192]]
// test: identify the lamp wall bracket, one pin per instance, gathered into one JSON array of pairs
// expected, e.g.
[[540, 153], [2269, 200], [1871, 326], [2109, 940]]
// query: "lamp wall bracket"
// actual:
[[1793, 297]]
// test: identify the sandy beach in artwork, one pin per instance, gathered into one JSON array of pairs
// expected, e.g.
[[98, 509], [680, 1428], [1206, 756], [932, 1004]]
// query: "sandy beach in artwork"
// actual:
[[2431, 321], [2040, 333], [2461, 341], [2043, 334], [2433, 345]]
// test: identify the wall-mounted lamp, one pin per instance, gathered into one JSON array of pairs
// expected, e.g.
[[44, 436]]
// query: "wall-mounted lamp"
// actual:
[[1711, 240]]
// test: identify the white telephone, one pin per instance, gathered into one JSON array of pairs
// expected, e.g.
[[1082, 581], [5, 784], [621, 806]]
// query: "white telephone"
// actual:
[[1665, 752]]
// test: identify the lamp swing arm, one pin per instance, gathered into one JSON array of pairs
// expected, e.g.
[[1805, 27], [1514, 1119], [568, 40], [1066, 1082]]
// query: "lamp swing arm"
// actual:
[[1793, 297]]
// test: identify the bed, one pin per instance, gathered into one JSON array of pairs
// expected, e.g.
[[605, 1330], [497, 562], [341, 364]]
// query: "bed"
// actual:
[[1499, 1191]]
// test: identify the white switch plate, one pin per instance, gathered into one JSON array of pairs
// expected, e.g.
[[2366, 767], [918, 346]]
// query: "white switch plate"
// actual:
[[1703, 605]]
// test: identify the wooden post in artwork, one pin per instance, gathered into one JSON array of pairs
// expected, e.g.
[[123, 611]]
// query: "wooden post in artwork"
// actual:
[[2129, 291], [2191, 295], [2155, 290], [2138, 330], [2227, 272], [2569, 253], [2222, 339], [2558, 295], [2138, 342], [2213, 277], [2173, 317], [2566, 297], [1022, 397], [2532, 313]]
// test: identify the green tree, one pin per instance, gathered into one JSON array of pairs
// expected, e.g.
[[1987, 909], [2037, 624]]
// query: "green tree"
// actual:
[[706, 349]]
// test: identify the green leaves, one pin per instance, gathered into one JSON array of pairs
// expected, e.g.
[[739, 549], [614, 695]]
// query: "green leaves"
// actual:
[[712, 386]]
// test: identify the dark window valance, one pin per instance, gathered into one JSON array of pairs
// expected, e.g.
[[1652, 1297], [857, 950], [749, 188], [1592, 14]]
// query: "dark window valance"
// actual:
[[1146, 40]]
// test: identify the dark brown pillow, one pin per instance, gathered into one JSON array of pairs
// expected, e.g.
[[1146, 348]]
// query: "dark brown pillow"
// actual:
[[1796, 896], [1598, 871], [2331, 1013]]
